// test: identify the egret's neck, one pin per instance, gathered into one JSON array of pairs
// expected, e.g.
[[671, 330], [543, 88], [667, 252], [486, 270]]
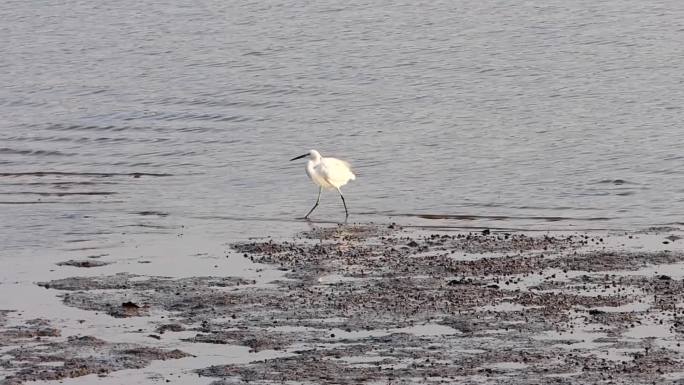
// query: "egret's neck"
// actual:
[[310, 168]]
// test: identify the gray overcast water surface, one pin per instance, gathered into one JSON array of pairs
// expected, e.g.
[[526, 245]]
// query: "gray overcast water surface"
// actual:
[[145, 116]]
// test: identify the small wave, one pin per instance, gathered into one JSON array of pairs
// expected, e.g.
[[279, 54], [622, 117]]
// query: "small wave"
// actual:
[[42, 202], [22, 103], [91, 128], [154, 213], [201, 117], [211, 102], [58, 194], [617, 182], [14, 151], [469, 217], [148, 226], [59, 184], [90, 174]]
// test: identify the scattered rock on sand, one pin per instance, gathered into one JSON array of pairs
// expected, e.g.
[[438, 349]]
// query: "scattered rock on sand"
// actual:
[[84, 263]]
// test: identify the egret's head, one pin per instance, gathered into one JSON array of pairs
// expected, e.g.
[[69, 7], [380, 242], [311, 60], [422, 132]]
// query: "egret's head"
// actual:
[[313, 154]]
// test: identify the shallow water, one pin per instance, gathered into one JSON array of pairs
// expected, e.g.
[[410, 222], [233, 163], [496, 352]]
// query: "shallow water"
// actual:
[[139, 116]]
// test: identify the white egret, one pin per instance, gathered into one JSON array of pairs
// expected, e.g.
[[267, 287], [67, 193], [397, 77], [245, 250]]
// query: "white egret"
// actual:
[[327, 173]]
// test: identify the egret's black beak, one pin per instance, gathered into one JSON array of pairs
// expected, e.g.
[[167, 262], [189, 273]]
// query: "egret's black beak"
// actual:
[[298, 157]]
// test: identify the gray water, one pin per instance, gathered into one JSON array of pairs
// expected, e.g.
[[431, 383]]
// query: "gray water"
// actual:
[[150, 116]]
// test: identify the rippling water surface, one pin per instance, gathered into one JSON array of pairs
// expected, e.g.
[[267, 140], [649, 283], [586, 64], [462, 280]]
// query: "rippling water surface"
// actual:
[[145, 116]]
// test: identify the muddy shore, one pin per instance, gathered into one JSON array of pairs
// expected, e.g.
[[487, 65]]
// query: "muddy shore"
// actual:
[[384, 304]]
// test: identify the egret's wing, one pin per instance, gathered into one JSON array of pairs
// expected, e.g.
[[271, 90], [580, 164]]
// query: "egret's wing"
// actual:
[[336, 172], [352, 176], [319, 176], [339, 164]]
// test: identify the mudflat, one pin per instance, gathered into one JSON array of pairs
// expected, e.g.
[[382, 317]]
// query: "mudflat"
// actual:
[[375, 303]]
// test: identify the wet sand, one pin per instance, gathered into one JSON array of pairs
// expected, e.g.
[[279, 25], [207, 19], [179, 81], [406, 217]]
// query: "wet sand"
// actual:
[[362, 304]]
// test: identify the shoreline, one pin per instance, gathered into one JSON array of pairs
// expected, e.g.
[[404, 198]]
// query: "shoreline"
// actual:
[[361, 303]]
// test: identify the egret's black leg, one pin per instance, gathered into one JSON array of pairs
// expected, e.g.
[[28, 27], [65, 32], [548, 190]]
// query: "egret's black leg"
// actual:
[[344, 203], [316, 205]]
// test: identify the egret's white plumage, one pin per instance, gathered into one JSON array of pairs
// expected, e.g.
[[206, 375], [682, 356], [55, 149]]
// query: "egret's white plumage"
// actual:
[[328, 173]]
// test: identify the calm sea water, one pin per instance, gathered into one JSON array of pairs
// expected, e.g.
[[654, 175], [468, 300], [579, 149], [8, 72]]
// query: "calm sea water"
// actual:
[[144, 116]]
